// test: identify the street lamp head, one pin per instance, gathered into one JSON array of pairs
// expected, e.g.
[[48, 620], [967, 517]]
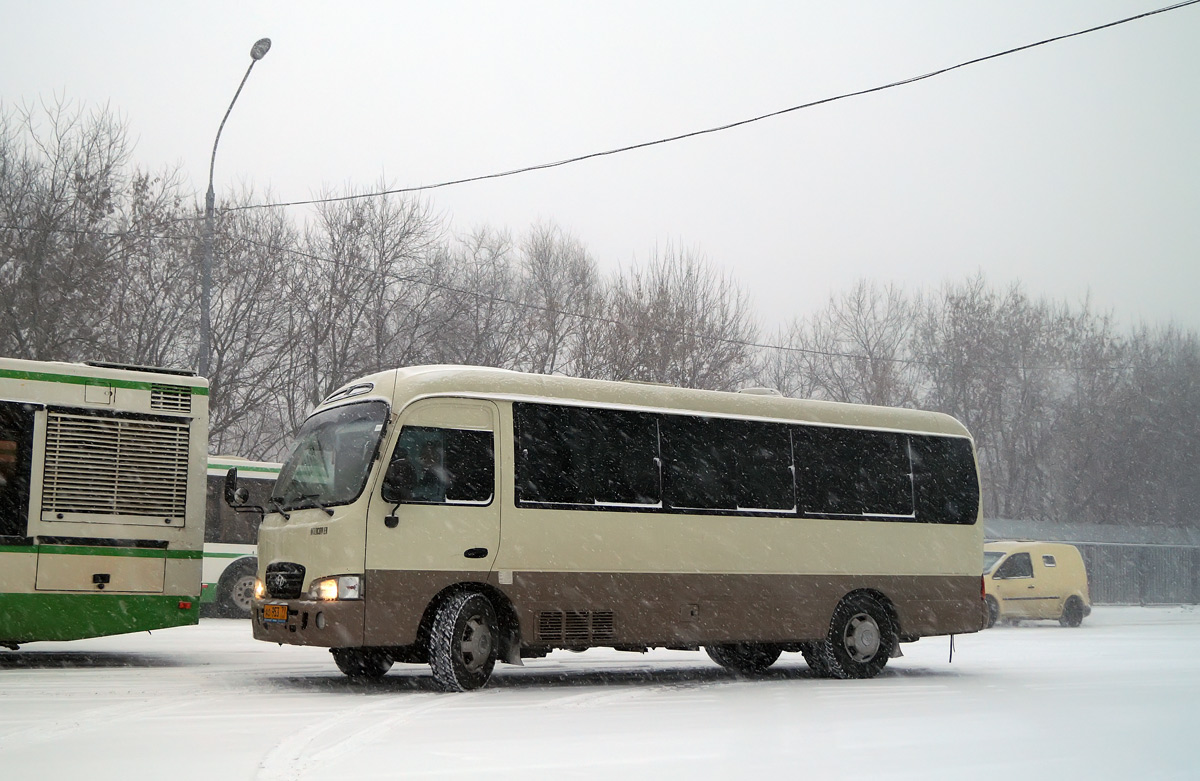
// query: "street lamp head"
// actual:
[[260, 48]]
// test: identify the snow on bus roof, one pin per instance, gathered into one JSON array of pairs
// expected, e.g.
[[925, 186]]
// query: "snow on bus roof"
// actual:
[[415, 382]]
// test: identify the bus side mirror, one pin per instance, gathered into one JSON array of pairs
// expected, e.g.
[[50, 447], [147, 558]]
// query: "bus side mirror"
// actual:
[[234, 496], [398, 481]]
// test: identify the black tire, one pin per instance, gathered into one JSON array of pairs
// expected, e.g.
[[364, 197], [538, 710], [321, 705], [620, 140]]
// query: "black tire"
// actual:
[[463, 642], [1072, 614], [235, 592], [744, 658], [817, 657], [369, 664], [993, 608], [862, 636]]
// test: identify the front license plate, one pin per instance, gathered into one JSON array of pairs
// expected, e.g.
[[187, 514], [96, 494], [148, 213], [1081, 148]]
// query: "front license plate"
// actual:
[[274, 612]]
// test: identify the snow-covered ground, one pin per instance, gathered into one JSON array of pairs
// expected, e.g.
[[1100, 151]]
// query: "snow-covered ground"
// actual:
[[1117, 698]]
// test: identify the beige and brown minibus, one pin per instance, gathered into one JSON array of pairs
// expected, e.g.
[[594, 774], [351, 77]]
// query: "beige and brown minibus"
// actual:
[[460, 516]]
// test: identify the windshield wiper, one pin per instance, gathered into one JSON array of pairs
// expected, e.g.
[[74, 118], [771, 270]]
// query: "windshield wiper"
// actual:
[[276, 502], [313, 498]]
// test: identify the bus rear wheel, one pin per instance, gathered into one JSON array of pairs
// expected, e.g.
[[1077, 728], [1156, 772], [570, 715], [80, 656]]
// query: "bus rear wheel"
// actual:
[[463, 642], [817, 657], [861, 637], [744, 658], [369, 664]]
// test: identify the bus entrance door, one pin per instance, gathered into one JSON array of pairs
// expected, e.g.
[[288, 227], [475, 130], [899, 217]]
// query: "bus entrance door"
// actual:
[[435, 520]]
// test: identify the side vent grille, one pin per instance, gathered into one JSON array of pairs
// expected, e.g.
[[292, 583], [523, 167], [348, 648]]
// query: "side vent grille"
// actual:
[[114, 466], [575, 627], [171, 398]]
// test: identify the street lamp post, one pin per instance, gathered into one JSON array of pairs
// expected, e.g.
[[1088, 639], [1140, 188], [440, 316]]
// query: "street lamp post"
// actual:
[[257, 52]]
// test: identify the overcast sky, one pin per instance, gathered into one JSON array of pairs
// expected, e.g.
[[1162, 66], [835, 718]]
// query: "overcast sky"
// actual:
[[1073, 167]]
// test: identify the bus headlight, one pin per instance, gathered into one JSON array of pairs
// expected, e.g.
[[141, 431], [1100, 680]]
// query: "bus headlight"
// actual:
[[339, 587]]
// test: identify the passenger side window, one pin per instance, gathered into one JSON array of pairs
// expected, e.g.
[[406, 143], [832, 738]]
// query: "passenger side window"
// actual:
[[732, 465], [16, 449], [1018, 565], [447, 466], [853, 472], [624, 457], [944, 480], [586, 457], [700, 463]]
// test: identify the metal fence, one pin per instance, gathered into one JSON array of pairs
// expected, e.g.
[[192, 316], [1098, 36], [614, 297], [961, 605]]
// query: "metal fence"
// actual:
[[1123, 574], [1126, 565]]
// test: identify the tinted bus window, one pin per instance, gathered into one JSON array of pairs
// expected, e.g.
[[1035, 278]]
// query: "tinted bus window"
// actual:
[[624, 457], [16, 444], [852, 472], [586, 457], [732, 465], [764, 466], [700, 463], [225, 524], [551, 454], [947, 486]]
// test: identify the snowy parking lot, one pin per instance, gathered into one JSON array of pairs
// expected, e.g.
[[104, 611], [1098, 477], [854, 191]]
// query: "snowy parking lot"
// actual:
[[1116, 698]]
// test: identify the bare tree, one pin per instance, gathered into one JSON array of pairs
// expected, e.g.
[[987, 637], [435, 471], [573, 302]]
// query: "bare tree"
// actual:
[[149, 317], [992, 360], [677, 320], [484, 315], [254, 254], [365, 293], [62, 175], [857, 349], [562, 301]]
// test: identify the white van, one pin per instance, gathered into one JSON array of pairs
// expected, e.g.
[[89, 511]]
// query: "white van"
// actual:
[[1026, 579]]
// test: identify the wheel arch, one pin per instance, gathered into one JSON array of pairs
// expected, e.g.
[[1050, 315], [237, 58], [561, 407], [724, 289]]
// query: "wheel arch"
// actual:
[[506, 615]]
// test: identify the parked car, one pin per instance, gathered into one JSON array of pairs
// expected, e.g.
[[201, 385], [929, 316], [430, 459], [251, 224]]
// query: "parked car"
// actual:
[[1026, 579]]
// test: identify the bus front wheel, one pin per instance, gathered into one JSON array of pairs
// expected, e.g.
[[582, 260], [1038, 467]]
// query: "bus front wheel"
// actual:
[[861, 637], [463, 642], [744, 658]]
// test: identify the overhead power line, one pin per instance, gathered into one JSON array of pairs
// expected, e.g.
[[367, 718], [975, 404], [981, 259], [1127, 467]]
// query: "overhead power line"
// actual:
[[719, 128], [597, 318]]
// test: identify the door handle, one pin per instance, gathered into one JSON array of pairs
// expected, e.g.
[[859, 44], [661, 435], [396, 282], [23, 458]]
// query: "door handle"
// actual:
[[475, 553]]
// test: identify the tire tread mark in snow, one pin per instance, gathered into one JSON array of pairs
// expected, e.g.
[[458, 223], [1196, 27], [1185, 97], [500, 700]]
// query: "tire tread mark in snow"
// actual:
[[292, 757]]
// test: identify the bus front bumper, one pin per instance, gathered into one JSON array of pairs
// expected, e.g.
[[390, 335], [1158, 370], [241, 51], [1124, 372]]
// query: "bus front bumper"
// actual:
[[330, 624]]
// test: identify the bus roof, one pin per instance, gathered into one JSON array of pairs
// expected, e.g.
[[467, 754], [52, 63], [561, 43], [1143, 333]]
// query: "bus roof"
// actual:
[[92, 374], [405, 385]]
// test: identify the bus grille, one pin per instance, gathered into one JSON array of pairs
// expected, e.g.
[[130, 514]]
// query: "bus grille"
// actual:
[[284, 580], [115, 466], [172, 398], [575, 627]]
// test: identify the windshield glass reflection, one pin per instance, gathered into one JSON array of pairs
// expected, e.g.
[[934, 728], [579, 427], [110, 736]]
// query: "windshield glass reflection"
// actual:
[[331, 458]]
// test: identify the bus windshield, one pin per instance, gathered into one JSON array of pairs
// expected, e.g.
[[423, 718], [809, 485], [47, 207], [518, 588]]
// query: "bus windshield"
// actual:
[[333, 453]]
